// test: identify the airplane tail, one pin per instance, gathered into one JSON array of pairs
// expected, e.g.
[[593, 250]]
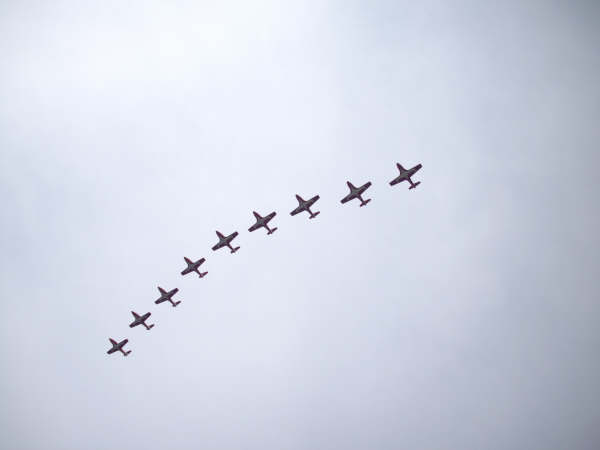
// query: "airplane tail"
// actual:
[[364, 202], [174, 304], [315, 214], [126, 353], [414, 185], [150, 326], [272, 230], [202, 274], [235, 249]]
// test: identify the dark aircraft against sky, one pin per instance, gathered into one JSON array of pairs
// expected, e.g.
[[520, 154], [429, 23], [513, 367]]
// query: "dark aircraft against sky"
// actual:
[[193, 266], [357, 192], [405, 174], [118, 347], [225, 241], [304, 205], [167, 296], [140, 320], [263, 222]]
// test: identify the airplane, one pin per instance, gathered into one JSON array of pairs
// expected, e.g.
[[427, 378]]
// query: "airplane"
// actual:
[[356, 192], [118, 346], [140, 320], [304, 205], [164, 296], [193, 266], [225, 241], [263, 222], [405, 174]]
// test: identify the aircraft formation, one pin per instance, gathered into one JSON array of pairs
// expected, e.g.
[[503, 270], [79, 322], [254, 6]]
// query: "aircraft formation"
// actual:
[[261, 222]]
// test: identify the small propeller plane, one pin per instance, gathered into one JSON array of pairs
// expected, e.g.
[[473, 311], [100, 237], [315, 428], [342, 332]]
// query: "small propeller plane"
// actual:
[[225, 241], [164, 296], [140, 320], [263, 222], [405, 174], [118, 347], [193, 266], [356, 192], [304, 205]]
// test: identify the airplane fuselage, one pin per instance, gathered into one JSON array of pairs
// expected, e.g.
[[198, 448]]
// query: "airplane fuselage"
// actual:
[[141, 319]]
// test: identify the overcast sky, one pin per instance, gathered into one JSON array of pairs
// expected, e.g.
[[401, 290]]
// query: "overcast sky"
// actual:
[[459, 315]]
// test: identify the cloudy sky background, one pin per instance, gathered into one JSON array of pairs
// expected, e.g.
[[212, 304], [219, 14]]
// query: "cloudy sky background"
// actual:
[[462, 314]]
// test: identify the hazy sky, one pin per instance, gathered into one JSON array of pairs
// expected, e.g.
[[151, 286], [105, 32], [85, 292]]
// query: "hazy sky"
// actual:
[[459, 315]]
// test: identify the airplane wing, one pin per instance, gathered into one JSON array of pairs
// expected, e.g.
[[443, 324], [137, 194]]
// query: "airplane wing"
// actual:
[[217, 246], [396, 180], [254, 227], [299, 209], [347, 198]]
